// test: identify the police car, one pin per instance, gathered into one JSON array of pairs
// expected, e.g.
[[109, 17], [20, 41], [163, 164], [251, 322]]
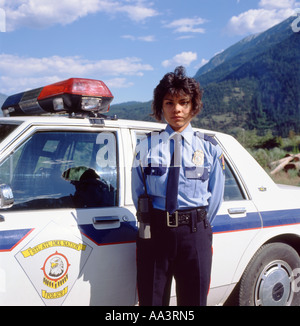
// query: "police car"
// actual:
[[68, 224]]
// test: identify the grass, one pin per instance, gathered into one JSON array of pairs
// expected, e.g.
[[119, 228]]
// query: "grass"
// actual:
[[259, 147], [286, 178]]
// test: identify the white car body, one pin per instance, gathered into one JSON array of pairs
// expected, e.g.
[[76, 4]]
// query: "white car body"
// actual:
[[86, 256]]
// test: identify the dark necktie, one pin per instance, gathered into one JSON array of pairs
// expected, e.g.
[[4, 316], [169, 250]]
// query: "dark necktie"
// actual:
[[173, 177]]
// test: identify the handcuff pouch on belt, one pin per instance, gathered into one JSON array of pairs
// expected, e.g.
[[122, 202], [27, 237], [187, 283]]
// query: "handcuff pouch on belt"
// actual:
[[144, 208], [144, 211]]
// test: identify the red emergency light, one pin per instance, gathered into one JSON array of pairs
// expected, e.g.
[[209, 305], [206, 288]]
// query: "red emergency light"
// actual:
[[74, 95]]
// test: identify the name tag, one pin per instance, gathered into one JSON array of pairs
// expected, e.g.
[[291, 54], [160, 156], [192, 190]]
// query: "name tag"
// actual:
[[196, 172]]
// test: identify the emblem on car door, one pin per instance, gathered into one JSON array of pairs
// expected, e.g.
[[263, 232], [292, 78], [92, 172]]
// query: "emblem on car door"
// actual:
[[53, 261]]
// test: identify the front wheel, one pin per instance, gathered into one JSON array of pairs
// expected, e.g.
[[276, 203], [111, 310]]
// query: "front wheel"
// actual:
[[267, 280]]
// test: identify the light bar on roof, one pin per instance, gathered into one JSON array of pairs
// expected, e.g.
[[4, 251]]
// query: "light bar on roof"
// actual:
[[74, 95]]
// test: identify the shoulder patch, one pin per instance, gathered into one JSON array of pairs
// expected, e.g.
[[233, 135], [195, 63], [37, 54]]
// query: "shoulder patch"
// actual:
[[210, 139], [222, 161]]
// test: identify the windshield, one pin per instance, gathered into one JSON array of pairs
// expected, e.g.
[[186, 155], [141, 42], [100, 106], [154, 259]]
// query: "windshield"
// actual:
[[6, 129]]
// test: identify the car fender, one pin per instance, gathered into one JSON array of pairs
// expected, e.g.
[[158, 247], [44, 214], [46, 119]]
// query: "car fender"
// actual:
[[266, 234]]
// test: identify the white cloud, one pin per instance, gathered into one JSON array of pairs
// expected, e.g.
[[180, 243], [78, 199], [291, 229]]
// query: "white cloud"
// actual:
[[275, 4], [137, 12], [269, 13], [118, 83], [38, 14], [185, 37], [183, 58], [202, 63], [187, 25], [147, 38], [20, 73]]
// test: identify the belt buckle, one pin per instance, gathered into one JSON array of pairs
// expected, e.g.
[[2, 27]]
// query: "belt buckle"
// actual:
[[169, 224]]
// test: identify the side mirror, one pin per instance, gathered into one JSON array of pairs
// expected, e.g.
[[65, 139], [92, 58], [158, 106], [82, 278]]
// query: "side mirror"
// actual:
[[6, 196]]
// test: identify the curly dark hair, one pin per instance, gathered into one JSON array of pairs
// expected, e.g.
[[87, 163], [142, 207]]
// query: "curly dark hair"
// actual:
[[176, 83]]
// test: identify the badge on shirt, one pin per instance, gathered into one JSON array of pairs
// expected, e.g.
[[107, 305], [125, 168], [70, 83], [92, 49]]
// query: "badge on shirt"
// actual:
[[198, 158]]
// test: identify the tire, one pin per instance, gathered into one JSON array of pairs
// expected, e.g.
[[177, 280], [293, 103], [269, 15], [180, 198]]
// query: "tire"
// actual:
[[268, 278]]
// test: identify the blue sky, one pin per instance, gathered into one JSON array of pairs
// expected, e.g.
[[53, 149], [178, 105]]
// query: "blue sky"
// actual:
[[129, 44]]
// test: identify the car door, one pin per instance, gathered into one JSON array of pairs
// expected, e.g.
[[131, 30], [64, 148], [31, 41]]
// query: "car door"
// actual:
[[237, 223], [67, 239]]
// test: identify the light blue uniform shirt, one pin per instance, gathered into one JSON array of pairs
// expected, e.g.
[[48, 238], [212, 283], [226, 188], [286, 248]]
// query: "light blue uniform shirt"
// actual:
[[201, 179]]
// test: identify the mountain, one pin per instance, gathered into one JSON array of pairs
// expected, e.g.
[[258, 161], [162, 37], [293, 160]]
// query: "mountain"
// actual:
[[254, 84], [132, 110], [244, 51], [2, 99]]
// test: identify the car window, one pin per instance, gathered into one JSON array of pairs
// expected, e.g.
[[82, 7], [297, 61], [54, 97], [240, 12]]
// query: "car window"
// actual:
[[232, 189], [63, 169]]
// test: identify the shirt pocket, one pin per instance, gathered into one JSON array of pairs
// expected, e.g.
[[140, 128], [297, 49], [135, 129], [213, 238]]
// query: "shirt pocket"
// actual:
[[156, 180], [196, 181]]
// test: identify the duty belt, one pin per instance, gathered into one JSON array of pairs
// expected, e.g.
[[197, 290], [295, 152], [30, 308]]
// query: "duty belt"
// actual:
[[182, 217]]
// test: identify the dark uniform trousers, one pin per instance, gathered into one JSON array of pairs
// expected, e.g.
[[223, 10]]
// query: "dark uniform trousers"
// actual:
[[181, 252]]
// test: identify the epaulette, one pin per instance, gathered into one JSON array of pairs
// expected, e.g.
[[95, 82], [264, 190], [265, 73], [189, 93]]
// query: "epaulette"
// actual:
[[210, 139], [206, 137]]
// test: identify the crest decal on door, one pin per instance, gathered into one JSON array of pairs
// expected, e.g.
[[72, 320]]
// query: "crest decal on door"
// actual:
[[53, 261]]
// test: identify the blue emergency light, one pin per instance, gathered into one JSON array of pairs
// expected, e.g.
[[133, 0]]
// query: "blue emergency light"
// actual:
[[74, 95]]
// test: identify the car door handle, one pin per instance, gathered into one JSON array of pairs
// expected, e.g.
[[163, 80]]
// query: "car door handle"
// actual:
[[237, 210], [106, 220]]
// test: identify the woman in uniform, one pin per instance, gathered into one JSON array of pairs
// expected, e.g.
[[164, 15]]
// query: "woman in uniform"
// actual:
[[183, 173]]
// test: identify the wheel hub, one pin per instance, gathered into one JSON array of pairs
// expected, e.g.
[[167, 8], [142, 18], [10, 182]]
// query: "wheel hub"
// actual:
[[273, 287]]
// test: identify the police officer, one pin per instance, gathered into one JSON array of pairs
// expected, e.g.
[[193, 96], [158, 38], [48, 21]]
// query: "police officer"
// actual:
[[182, 174]]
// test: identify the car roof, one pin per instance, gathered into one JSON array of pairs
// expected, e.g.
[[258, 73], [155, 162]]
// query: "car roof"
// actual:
[[78, 121]]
